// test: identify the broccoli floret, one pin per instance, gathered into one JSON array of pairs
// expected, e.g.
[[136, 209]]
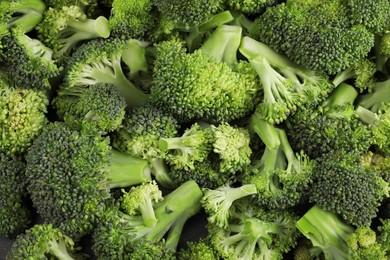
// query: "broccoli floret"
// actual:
[[117, 233], [42, 242], [25, 14], [377, 162], [286, 86], [28, 61], [139, 137], [199, 250], [99, 108], [22, 116], [337, 178], [63, 29], [61, 3], [107, 61], [70, 174], [250, 6], [15, 216], [217, 203], [380, 94], [384, 235], [132, 18], [202, 85]]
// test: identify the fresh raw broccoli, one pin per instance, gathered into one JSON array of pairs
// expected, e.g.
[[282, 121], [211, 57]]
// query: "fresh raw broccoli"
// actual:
[[218, 202], [377, 162], [380, 94], [253, 233], [120, 236], [70, 174], [199, 250], [139, 137], [314, 34], [207, 84], [28, 61], [250, 6], [63, 29], [15, 216], [99, 108], [384, 235], [43, 241], [25, 14], [132, 18], [332, 126], [22, 116], [337, 178], [61, 3], [286, 85], [107, 61], [193, 146]]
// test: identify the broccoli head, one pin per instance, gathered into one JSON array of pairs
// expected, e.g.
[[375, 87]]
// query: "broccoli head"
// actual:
[[250, 6]]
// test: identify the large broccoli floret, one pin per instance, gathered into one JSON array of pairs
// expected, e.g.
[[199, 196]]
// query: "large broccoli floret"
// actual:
[[286, 85], [70, 175], [22, 116], [108, 61], [42, 242], [62, 29], [337, 179], [28, 61], [25, 14], [99, 108], [120, 236], [14, 214], [207, 84], [139, 137], [314, 34]]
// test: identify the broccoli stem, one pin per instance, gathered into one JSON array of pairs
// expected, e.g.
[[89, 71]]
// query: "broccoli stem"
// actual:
[[265, 131], [339, 97], [159, 171], [27, 21], [135, 57], [223, 43], [215, 21], [372, 101], [293, 161], [59, 250], [367, 116], [126, 170], [147, 212], [343, 76], [268, 160], [172, 143]]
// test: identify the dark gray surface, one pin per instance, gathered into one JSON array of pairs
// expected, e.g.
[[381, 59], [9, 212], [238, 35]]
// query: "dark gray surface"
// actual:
[[5, 245]]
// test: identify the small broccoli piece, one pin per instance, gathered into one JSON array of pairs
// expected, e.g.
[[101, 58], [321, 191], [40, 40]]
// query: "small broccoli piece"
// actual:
[[250, 6], [117, 232], [199, 250], [377, 162], [202, 85], [131, 18], [62, 29], [286, 86], [255, 234], [362, 72], [336, 179], [15, 217], [379, 95], [232, 146], [303, 250], [194, 145], [25, 14], [107, 61], [330, 126], [139, 137], [28, 61], [41, 242], [85, 4], [22, 116], [98, 108], [217, 202], [70, 175], [384, 235], [140, 200]]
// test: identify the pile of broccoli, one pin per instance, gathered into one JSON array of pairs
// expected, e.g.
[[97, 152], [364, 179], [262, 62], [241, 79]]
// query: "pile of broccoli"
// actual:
[[195, 130]]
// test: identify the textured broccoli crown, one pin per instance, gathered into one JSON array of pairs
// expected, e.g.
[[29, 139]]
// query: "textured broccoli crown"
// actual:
[[98, 108], [64, 28], [101, 61], [199, 85], [14, 214], [337, 178], [40, 242], [131, 18], [199, 250], [384, 234], [250, 6], [70, 173], [25, 14], [22, 116], [61, 3]]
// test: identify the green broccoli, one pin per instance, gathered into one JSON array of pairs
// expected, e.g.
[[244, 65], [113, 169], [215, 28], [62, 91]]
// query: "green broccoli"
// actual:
[[63, 29], [384, 235], [99, 108], [70, 174], [207, 84], [380, 94], [286, 85], [22, 116], [199, 250], [107, 61], [91, 4], [250, 6], [15, 216], [41, 242], [25, 14], [139, 136], [120, 236], [377, 162]]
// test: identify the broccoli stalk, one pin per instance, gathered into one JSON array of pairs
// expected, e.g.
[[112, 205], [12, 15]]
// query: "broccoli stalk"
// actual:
[[373, 100]]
